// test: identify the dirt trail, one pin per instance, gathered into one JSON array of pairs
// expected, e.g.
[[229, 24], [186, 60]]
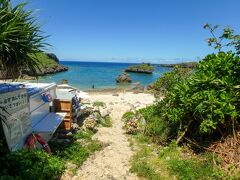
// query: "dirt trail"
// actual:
[[113, 162]]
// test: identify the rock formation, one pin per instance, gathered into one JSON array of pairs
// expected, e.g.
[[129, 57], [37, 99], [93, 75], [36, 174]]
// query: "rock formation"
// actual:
[[46, 69], [142, 68], [123, 78]]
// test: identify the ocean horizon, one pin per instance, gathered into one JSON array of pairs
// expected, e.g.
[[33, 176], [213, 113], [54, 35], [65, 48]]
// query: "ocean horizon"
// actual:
[[102, 75]]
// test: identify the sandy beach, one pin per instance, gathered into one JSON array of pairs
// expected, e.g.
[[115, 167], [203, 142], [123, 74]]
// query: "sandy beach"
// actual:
[[113, 162]]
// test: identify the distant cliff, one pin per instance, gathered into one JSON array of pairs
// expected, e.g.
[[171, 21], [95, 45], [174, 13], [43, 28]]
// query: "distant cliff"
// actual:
[[141, 68], [48, 64]]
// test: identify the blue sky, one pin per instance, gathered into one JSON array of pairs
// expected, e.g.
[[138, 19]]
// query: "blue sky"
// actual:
[[133, 30]]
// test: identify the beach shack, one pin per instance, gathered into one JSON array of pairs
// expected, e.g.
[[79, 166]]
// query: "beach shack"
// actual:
[[44, 119], [27, 108]]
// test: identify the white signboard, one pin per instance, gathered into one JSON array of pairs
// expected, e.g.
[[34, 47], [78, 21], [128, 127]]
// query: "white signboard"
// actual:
[[16, 118]]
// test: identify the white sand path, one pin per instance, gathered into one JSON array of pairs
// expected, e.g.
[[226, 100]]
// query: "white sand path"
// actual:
[[113, 162]]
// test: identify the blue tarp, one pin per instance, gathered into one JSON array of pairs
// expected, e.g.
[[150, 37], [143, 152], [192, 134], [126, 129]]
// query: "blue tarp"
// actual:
[[32, 91], [5, 88]]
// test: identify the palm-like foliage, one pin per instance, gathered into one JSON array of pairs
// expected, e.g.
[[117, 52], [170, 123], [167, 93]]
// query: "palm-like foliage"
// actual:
[[20, 39], [3, 142]]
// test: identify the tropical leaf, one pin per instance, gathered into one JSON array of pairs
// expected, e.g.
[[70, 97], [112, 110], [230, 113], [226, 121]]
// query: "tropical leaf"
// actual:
[[20, 39]]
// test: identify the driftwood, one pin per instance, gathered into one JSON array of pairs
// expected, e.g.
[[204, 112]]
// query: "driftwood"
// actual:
[[227, 149]]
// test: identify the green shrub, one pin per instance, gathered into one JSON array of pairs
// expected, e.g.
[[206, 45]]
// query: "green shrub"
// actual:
[[33, 164], [104, 121], [87, 134], [200, 105], [168, 80], [108, 122], [208, 101], [73, 152], [157, 128], [128, 116]]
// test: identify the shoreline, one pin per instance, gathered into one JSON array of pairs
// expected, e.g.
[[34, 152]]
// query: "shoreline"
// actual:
[[133, 88], [115, 90]]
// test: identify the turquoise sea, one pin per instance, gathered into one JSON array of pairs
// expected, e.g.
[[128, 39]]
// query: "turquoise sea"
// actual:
[[100, 74]]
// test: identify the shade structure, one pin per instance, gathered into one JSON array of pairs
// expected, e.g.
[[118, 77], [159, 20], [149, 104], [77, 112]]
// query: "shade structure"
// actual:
[[74, 91], [83, 95]]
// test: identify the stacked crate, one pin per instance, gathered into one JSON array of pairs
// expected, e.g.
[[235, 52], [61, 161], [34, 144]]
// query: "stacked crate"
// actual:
[[64, 106]]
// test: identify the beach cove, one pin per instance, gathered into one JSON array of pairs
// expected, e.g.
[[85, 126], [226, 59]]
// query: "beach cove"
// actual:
[[119, 90], [100, 74]]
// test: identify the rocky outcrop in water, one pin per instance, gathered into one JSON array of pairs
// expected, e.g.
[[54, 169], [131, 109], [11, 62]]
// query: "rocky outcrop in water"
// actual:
[[48, 64], [142, 68], [123, 78]]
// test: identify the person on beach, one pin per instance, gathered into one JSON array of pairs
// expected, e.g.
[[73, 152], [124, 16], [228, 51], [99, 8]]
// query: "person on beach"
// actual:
[[93, 86]]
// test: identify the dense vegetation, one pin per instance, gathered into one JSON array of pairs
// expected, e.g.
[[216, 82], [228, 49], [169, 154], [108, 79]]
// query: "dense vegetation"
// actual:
[[202, 103], [33, 164], [20, 39], [37, 164], [141, 68], [165, 84], [181, 65], [199, 108], [45, 61], [47, 64]]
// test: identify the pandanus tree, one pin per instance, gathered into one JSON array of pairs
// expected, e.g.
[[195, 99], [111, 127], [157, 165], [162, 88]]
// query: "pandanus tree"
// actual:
[[20, 40]]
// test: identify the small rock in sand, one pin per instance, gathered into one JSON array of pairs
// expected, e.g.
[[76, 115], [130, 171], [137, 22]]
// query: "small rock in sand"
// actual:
[[104, 112], [115, 94]]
